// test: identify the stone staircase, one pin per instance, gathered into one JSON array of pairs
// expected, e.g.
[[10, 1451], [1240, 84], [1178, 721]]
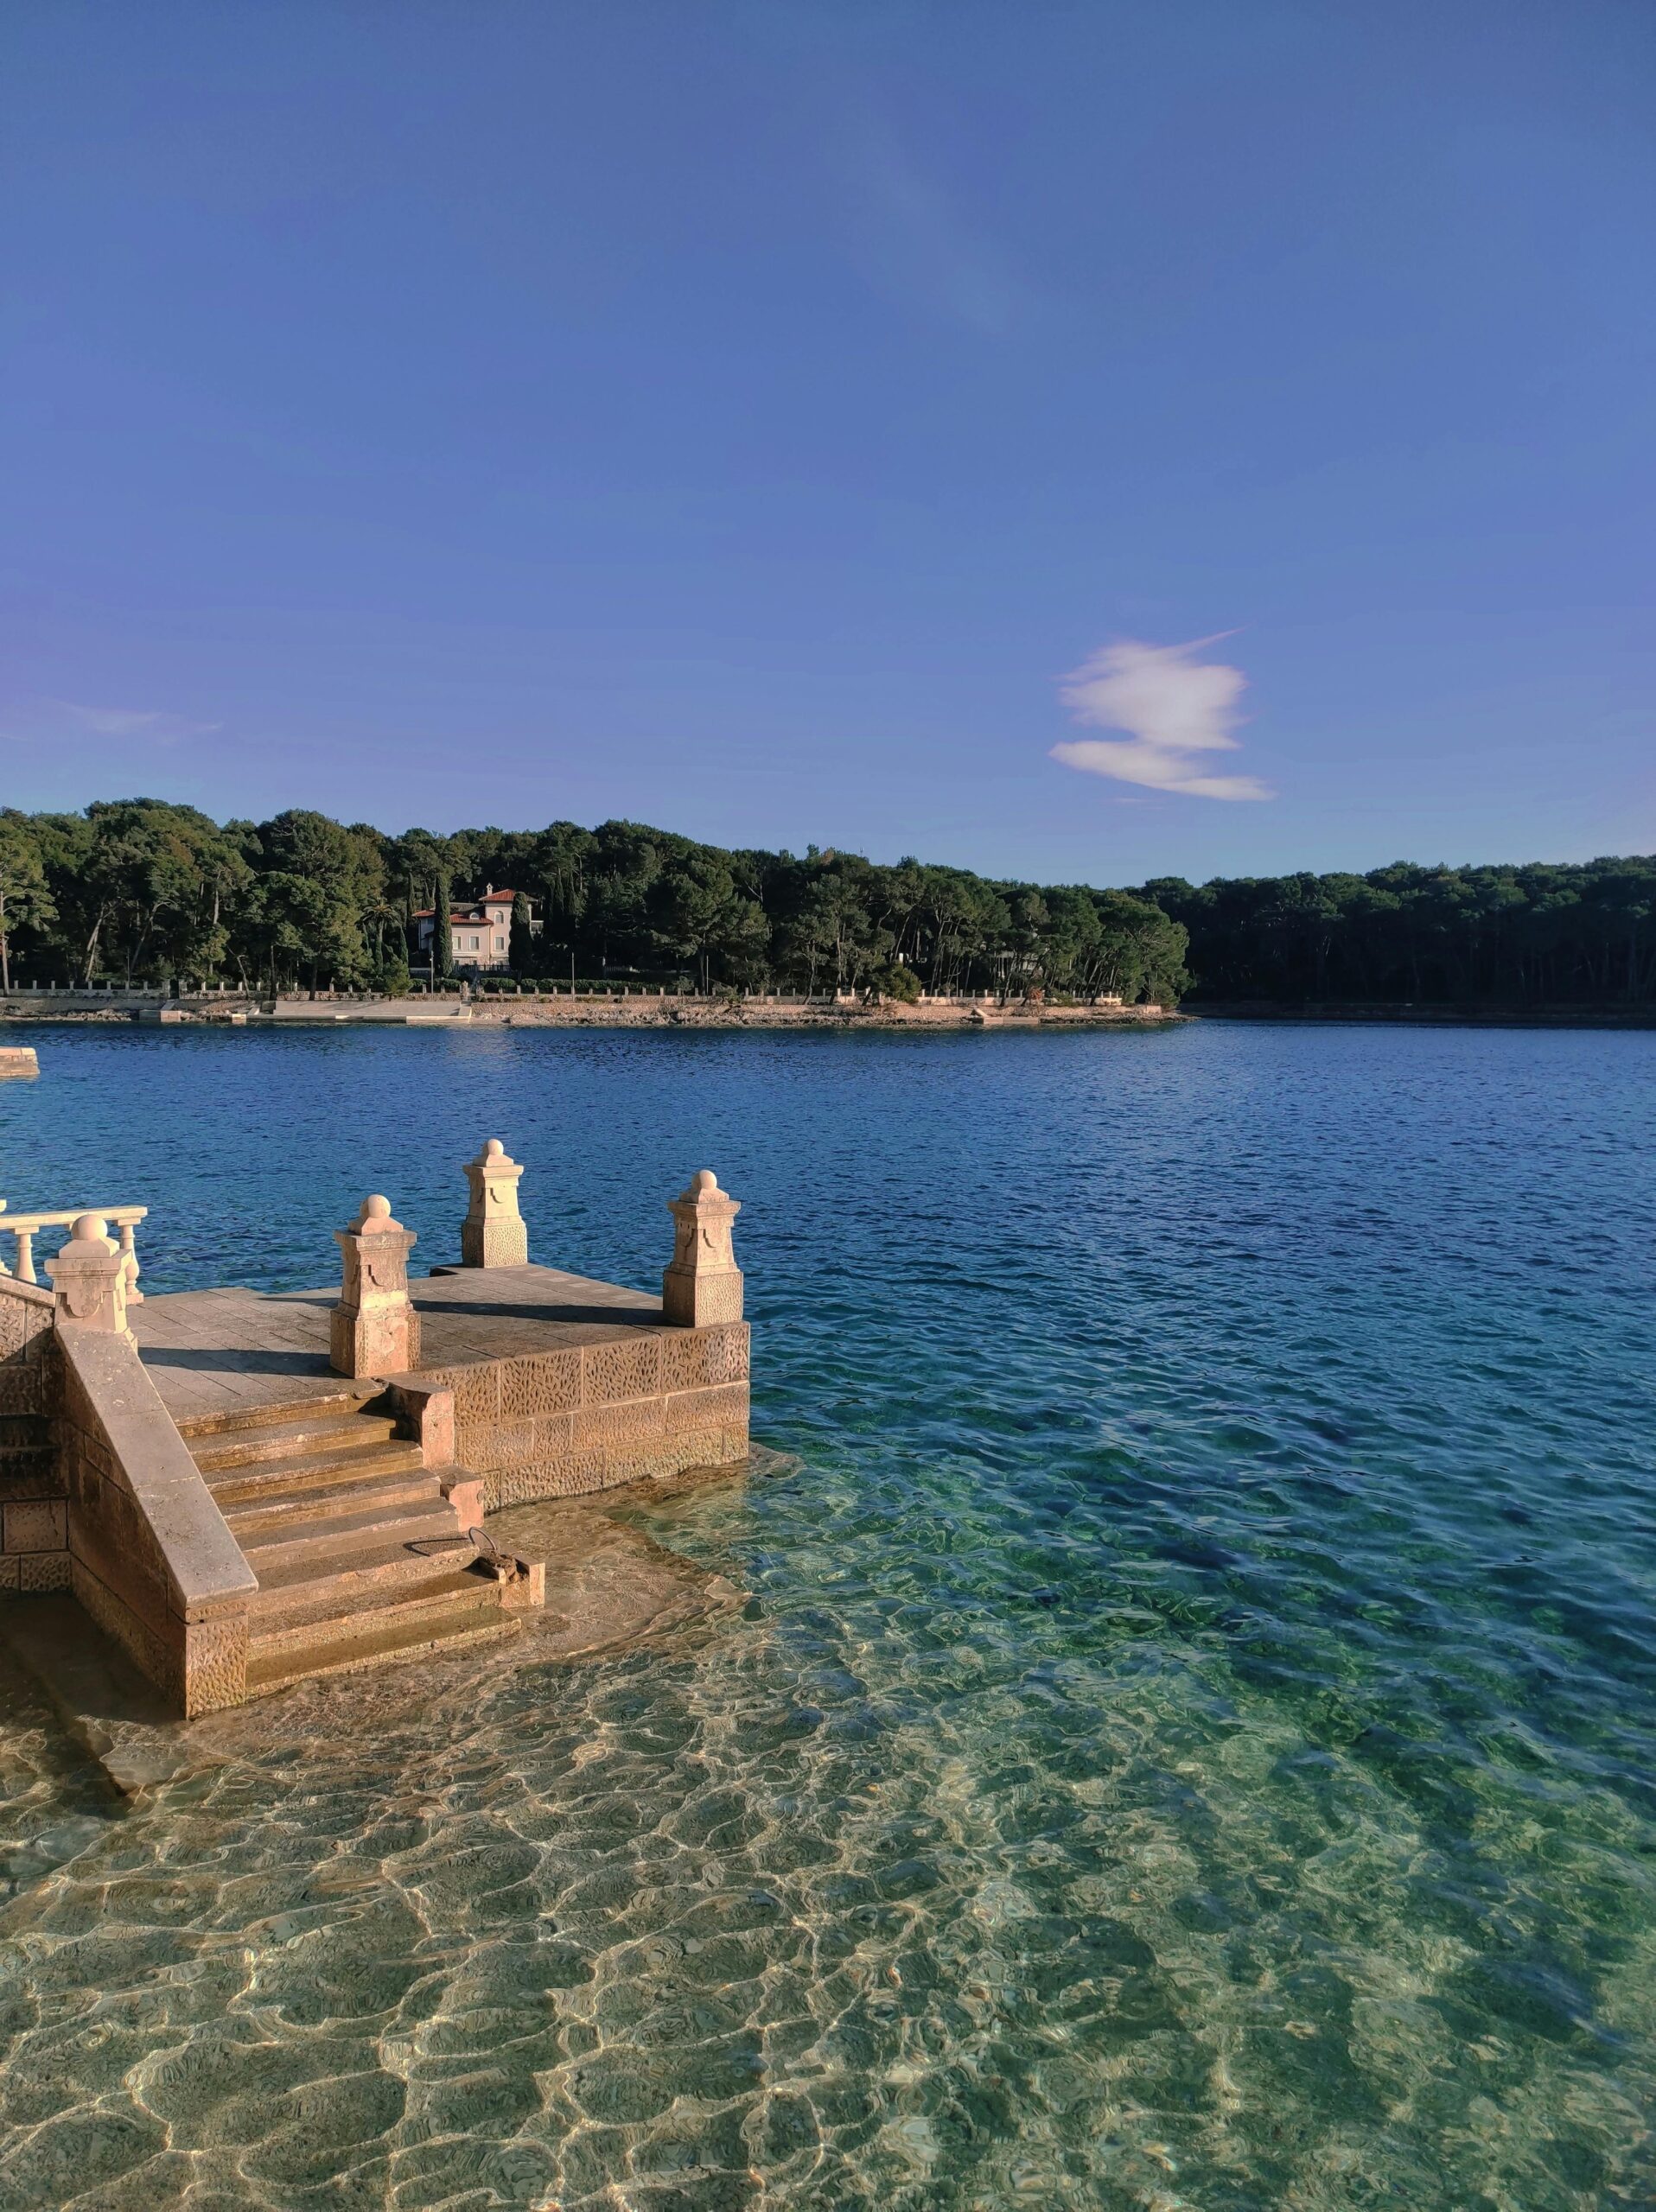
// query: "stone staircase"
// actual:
[[353, 1543]]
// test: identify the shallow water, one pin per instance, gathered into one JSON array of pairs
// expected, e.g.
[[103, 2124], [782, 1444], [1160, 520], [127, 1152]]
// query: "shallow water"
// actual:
[[1186, 1741]]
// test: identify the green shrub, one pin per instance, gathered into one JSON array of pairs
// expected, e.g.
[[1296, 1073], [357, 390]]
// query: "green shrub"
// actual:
[[899, 984]]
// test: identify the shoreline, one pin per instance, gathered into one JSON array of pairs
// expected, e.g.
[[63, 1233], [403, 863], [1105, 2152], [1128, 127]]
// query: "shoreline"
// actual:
[[633, 1010], [1439, 1017], [587, 1011]]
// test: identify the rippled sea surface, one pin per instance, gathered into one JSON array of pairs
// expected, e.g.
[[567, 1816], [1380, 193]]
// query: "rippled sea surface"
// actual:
[[1185, 1739]]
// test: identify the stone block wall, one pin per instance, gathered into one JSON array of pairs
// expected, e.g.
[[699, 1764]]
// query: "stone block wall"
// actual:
[[34, 1497], [151, 1558], [556, 1423]]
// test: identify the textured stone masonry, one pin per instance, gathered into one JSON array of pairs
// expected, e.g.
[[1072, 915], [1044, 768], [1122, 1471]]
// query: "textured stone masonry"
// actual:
[[149, 1557], [33, 1517], [554, 1424]]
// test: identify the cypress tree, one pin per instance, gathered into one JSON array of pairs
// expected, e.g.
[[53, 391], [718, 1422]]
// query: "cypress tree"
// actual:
[[442, 943], [521, 946]]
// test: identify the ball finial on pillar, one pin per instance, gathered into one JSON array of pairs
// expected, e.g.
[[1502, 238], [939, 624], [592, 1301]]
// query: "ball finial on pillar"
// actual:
[[89, 1278]]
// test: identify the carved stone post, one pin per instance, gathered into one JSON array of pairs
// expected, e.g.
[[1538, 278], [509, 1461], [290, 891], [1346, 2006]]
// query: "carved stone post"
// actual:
[[374, 1329], [89, 1278], [493, 1234], [703, 1283]]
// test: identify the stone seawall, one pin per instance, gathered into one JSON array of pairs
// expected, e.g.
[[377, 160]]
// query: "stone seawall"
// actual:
[[555, 1424], [761, 1014], [34, 1495], [99, 1496], [151, 1560], [586, 1010]]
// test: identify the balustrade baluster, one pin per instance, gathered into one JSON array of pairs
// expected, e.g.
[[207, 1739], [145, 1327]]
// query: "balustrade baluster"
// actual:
[[130, 1255], [24, 1227]]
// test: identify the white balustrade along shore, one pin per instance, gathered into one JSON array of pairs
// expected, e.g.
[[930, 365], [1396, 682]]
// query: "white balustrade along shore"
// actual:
[[600, 1004], [195, 999], [25, 1227]]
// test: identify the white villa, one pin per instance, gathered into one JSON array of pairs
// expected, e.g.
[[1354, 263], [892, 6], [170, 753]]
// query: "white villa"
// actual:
[[479, 934]]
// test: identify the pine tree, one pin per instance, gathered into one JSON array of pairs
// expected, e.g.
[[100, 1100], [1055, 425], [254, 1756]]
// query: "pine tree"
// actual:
[[23, 896]]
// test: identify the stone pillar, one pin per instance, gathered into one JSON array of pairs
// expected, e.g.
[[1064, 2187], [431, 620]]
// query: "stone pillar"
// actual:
[[703, 1283], [492, 1234], [89, 1278], [374, 1329]]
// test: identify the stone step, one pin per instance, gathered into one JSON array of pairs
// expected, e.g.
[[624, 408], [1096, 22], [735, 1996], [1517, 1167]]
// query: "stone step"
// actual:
[[328, 1537], [373, 1638], [354, 1582], [291, 1440], [313, 1470], [326, 1612], [346, 1399], [269, 1510]]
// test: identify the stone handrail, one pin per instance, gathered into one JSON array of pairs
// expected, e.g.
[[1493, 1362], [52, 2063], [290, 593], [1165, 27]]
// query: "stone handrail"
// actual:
[[25, 1227], [153, 1560]]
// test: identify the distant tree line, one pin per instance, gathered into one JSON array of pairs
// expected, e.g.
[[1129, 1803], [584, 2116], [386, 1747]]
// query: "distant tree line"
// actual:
[[1539, 934], [140, 890]]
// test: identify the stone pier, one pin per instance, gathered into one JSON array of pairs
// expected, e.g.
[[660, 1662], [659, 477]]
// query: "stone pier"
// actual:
[[243, 1488]]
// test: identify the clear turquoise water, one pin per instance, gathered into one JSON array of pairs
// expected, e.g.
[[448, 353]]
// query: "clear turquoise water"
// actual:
[[1186, 1741]]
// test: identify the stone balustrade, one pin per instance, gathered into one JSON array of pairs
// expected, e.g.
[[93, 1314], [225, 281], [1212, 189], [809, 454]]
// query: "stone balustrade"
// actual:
[[149, 1556], [25, 1227], [89, 1279]]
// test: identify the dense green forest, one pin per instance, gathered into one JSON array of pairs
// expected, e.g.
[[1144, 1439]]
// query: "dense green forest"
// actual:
[[139, 890], [1537, 934]]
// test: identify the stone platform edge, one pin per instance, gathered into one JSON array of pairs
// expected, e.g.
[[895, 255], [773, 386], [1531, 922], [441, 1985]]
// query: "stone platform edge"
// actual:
[[592, 1417]]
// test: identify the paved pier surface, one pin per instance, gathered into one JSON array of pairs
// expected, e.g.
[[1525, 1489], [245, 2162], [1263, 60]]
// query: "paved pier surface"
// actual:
[[213, 1352]]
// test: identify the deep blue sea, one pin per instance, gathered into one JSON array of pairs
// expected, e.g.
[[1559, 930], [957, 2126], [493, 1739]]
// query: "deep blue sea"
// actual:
[[1188, 1739]]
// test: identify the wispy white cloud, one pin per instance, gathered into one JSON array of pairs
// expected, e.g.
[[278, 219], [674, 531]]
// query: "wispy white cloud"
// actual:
[[918, 243], [1172, 706], [152, 723]]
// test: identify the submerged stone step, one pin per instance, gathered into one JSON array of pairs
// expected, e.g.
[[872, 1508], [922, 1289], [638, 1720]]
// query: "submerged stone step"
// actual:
[[380, 1636], [357, 1576], [334, 1610], [321, 1539]]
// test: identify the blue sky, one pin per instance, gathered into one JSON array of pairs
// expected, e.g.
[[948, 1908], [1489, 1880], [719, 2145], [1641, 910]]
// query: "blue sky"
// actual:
[[789, 422]]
